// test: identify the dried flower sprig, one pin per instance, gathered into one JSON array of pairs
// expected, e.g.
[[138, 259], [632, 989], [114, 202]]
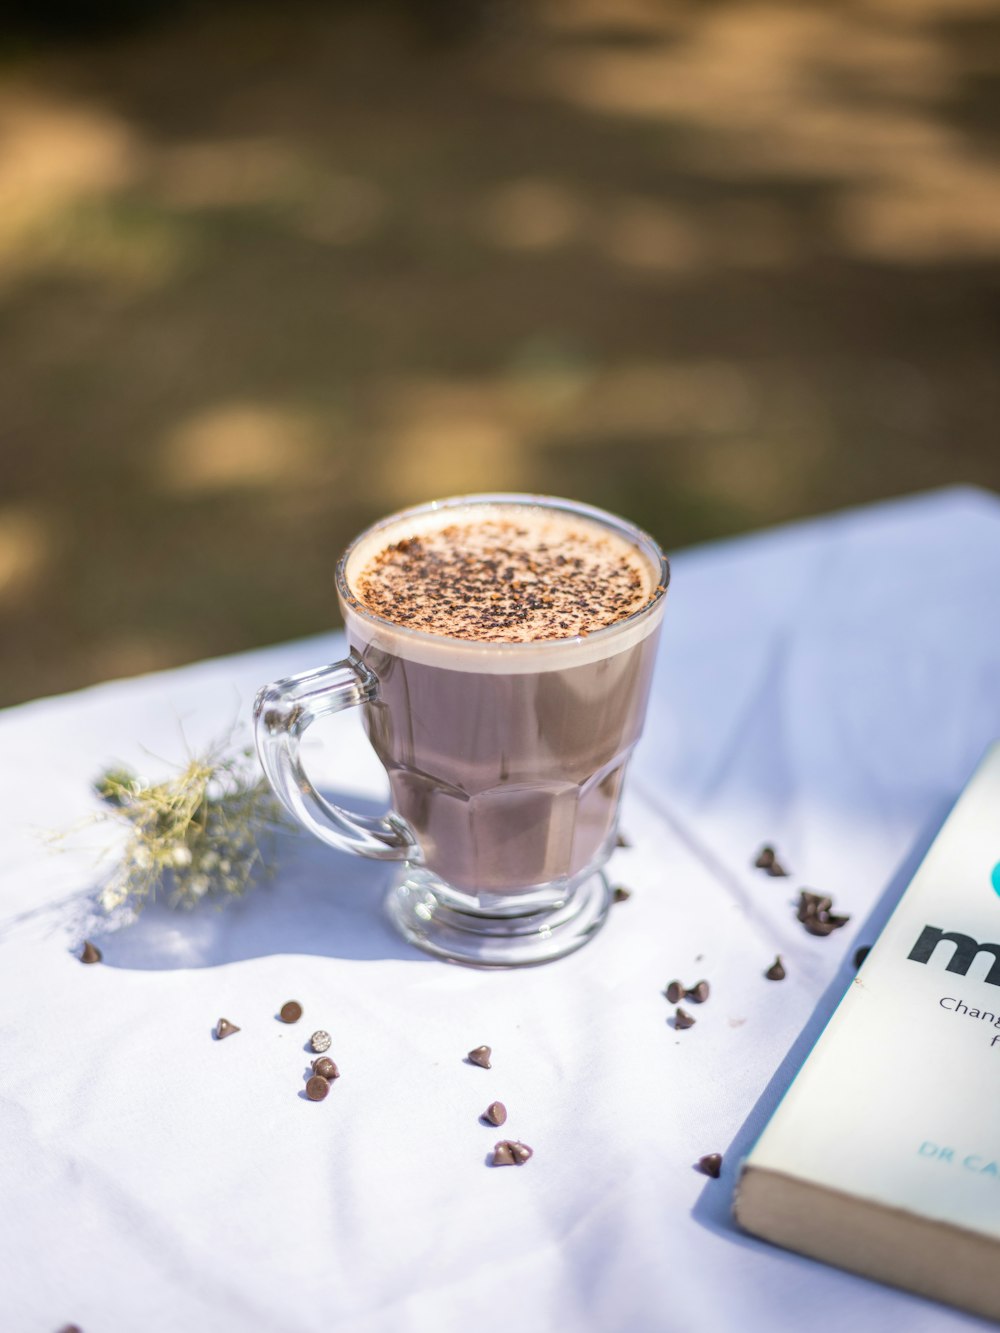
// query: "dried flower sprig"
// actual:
[[194, 835]]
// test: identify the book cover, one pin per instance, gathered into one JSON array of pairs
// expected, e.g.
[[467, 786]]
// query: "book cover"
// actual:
[[884, 1154]]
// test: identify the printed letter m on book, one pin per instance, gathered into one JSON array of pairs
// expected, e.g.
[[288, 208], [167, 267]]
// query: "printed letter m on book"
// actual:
[[965, 950]]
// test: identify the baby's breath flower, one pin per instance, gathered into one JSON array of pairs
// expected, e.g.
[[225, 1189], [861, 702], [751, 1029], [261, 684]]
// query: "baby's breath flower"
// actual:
[[193, 835]]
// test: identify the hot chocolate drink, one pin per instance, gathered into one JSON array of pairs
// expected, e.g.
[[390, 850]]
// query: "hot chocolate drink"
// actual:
[[501, 652], [513, 646]]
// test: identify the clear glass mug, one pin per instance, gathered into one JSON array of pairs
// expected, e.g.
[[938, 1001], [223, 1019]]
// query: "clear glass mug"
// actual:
[[505, 760]]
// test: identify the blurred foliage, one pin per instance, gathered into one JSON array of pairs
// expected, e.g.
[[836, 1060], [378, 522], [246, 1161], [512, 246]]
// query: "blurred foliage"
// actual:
[[269, 272]]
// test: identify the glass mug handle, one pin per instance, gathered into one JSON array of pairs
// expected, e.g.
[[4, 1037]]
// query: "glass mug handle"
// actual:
[[282, 712]]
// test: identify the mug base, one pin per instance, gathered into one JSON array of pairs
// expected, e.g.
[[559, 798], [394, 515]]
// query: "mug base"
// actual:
[[480, 940]]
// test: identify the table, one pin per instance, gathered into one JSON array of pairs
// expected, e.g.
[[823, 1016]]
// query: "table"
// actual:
[[827, 686]]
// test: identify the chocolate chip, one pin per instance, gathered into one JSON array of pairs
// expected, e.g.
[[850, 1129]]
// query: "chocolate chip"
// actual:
[[317, 1088], [320, 1041], [861, 954], [776, 972], [818, 926], [815, 914], [698, 992], [510, 1153], [674, 992], [290, 1012], [622, 841], [682, 1020], [620, 894], [711, 1164], [495, 1114], [812, 904], [91, 953], [481, 1057], [224, 1029], [325, 1067], [768, 860]]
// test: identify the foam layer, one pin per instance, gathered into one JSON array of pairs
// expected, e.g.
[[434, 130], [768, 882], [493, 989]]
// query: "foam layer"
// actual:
[[486, 581], [505, 579]]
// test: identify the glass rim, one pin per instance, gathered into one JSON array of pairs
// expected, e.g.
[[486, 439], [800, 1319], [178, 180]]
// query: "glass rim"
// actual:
[[634, 534]]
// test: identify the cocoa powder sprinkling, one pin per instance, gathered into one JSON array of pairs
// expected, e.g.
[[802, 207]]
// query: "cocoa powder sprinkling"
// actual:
[[500, 581]]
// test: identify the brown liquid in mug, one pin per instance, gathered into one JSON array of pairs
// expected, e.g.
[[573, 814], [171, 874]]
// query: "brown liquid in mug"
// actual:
[[510, 779]]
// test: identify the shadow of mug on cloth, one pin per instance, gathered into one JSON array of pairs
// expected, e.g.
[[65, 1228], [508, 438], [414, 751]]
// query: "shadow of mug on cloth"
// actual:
[[505, 758]]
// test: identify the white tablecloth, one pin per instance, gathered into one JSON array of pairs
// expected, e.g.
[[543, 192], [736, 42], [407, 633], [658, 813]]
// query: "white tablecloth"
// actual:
[[828, 687]]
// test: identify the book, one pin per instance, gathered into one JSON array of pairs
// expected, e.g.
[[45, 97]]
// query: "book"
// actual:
[[883, 1156]]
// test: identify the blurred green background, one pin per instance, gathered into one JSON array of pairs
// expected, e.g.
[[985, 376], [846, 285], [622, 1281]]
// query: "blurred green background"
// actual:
[[268, 272]]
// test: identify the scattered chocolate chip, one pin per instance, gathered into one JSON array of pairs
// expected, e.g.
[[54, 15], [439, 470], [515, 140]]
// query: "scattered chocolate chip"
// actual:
[[815, 914], [510, 1153], [817, 926], [768, 860], [620, 894], [495, 1114], [861, 954], [682, 1020], [317, 1088], [224, 1029], [91, 953], [622, 841], [71, 1328], [776, 972], [481, 1057], [711, 1164], [290, 1012], [320, 1041], [698, 993], [812, 904], [325, 1067]]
